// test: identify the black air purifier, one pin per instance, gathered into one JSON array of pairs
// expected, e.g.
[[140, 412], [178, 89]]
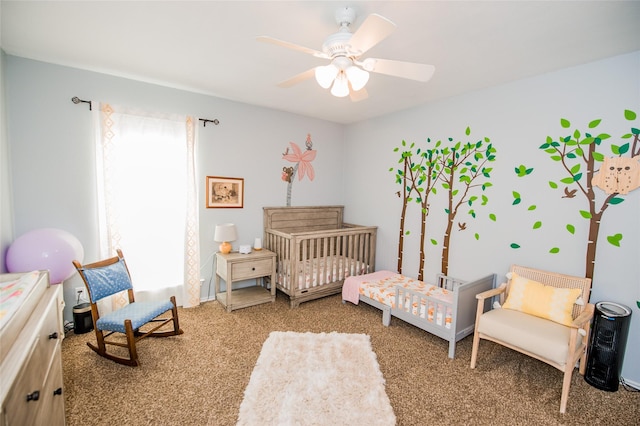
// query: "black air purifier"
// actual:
[[82, 321], [608, 340]]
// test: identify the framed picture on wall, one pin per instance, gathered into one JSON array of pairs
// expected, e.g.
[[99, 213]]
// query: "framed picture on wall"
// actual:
[[225, 192]]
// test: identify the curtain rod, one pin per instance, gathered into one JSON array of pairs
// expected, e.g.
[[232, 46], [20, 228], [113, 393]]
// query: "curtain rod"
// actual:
[[76, 100], [205, 121]]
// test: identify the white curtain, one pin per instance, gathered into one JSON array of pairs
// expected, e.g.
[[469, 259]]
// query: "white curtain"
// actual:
[[147, 200]]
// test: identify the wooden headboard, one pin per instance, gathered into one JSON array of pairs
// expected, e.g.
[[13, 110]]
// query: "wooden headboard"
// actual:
[[303, 219]]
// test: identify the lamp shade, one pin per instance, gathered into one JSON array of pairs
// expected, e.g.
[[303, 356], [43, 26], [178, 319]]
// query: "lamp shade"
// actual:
[[340, 87], [357, 77], [325, 75], [225, 233]]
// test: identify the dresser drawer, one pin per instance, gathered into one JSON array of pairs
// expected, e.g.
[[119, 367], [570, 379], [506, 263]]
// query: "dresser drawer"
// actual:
[[52, 407], [253, 269], [25, 397]]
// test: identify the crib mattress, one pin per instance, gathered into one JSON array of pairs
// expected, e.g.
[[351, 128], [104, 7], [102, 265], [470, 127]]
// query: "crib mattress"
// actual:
[[383, 290]]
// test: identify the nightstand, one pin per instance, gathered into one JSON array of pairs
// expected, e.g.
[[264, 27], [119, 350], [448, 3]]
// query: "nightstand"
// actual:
[[234, 267]]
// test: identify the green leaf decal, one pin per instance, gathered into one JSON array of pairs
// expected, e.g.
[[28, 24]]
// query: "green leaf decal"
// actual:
[[537, 225], [477, 236], [514, 246], [492, 217], [553, 185], [554, 250], [616, 200], [565, 123], [594, 123], [532, 207], [585, 214], [434, 242], [630, 115], [571, 229], [614, 240]]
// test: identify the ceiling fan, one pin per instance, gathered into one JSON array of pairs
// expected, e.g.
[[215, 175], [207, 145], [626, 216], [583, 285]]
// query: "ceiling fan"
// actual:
[[348, 72]]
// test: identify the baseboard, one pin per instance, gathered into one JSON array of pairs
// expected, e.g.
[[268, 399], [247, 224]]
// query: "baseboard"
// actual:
[[632, 383]]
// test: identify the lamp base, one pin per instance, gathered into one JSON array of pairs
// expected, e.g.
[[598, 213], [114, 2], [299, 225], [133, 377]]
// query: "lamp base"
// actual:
[[225, 248]]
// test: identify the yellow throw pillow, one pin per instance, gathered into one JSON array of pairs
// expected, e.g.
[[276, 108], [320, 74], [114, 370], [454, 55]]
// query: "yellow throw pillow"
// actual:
[[544, 301]]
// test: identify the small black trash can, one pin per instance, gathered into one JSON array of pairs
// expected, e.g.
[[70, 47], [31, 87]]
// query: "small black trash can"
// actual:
[[608, 340], [82, 321]]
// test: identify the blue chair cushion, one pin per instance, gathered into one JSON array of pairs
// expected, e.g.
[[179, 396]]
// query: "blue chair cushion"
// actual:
[[139, 313], [107, 280]]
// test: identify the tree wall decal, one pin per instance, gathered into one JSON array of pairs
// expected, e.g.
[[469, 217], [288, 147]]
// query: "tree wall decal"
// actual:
[[418, 180], [465, 168], [460, 168], [578, 155]]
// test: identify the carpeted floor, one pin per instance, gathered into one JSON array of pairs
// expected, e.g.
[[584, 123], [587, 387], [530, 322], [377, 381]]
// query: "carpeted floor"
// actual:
[[199, 378]]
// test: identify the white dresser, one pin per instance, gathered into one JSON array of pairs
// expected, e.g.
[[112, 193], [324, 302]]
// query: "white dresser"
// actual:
[[30, 356]]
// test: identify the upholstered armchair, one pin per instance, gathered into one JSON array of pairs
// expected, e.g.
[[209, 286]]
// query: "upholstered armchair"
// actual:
[[544, 315]]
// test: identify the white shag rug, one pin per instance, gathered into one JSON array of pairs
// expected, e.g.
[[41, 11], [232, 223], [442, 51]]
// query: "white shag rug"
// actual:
[[316, 379]]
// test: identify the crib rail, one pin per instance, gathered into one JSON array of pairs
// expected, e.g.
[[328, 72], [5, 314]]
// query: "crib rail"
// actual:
[[425, 307]]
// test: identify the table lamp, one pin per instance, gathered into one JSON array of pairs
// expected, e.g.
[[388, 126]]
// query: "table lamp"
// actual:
[[225, 233]]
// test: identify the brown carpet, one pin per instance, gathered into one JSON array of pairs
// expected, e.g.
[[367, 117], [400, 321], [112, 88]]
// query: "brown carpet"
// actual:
[[199, 378]]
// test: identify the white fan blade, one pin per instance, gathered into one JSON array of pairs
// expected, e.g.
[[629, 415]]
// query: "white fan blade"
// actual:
[[410, 70], [298, 78], [267, 39], [372, 31], [358, 96]]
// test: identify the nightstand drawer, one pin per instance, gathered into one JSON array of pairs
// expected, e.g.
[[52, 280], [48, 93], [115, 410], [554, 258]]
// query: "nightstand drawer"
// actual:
[[252, 269]]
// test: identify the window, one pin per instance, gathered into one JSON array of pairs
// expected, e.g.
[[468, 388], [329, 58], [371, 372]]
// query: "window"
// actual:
[[146, 191]]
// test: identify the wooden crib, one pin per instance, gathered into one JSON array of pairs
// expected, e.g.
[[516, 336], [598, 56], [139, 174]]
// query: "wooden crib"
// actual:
[[315, 250]]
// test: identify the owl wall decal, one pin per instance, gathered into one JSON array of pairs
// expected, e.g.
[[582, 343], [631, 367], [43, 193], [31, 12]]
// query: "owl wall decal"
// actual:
[[618, 175]]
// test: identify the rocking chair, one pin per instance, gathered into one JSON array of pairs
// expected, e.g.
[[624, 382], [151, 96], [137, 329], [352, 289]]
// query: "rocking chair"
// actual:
[[111, 276]]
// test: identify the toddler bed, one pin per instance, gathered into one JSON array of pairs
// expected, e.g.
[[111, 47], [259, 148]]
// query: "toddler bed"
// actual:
[[446, 309], [315, 250]]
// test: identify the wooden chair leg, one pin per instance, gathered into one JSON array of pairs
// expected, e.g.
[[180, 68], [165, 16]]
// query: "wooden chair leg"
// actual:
[[174, 311], [131, 342], [474, 349], [566, 384]]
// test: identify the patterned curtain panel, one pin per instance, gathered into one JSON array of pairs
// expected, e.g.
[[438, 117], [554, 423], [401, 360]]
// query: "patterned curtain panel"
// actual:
[[147, 200]]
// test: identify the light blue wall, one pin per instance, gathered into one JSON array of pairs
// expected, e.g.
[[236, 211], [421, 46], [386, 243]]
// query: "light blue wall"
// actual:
[[52, 154], [517, 117], [6, 208]]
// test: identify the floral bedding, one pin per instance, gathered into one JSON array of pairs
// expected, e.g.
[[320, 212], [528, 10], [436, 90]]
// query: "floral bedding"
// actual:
[[384, 291]]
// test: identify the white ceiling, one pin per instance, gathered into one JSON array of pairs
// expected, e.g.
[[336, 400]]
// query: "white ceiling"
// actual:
[[210, 46]]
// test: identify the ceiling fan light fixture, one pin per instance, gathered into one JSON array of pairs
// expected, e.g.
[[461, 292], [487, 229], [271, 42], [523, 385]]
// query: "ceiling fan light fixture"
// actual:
[[340, 87], [325, 75], [357, 77]]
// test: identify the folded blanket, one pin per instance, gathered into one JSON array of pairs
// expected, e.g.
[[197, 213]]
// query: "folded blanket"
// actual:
[[351, 286]]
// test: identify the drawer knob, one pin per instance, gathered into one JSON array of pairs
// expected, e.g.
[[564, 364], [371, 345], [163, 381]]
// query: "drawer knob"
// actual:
[[33, 396], [58, 391], [253, 269], [53, 335]]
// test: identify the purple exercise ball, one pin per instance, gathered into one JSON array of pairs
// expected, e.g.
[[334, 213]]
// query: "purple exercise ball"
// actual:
[[46, 248]]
